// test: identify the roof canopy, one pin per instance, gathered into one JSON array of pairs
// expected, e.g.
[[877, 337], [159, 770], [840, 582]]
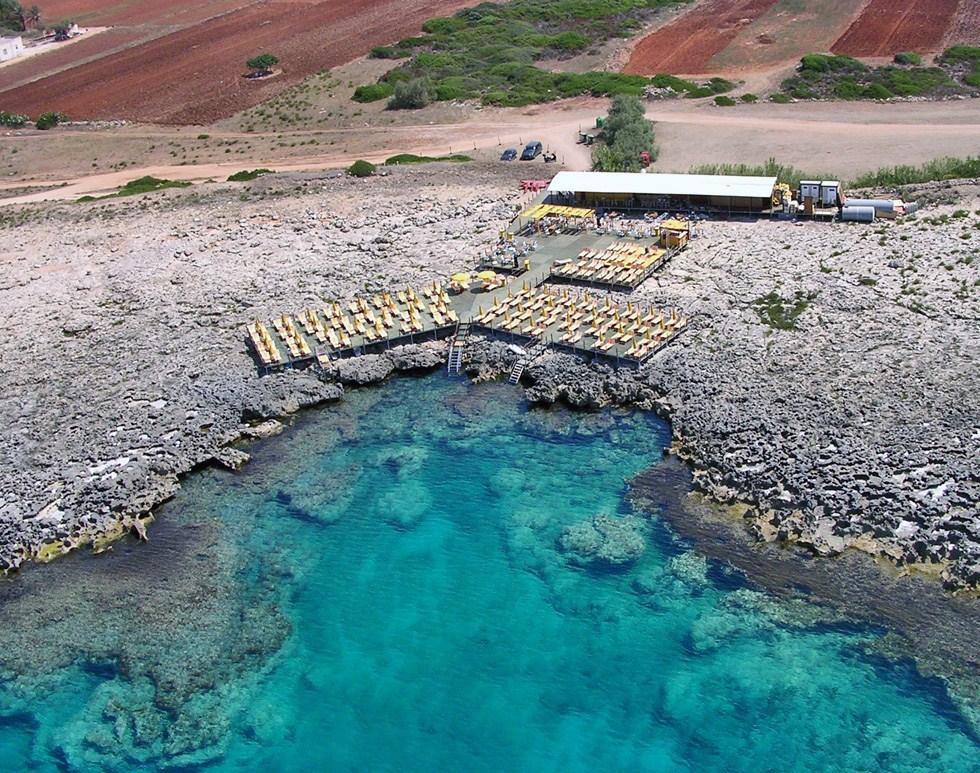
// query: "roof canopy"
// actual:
[[663, 184]]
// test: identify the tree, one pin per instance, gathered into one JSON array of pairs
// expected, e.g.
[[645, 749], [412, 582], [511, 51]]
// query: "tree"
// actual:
[[262, 64], [33, 16], [61, 29], [626, 134], [13, 16], [412, 94]]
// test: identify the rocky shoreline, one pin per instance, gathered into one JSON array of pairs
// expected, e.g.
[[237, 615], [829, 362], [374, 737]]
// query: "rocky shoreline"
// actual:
[[826, 383]]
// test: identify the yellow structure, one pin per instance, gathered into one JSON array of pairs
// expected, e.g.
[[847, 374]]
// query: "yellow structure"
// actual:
[[674, 234]]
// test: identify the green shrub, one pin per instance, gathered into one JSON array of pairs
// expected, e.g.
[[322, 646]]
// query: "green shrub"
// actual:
[[373, 92], [830, 63], [848, 89], [13, 120], [908, 57], [50, 120], [749, 97], [361, 168], [780, 98], [699, 92], [960, 54], [876, 91], [247, 175], [719, 85], [569, 41], [411, 95], [723, 101]]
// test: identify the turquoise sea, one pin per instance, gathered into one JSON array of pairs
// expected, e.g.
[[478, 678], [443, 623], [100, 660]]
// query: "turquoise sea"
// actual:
[[383, 588]]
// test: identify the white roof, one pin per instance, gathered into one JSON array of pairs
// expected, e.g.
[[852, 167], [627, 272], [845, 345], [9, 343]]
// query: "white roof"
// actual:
[[663, 184]]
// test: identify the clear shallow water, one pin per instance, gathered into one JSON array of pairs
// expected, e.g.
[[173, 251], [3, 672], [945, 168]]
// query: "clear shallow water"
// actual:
[[381, 590]]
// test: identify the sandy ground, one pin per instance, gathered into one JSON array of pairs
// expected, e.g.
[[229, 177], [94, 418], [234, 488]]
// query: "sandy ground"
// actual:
[[840, 139]]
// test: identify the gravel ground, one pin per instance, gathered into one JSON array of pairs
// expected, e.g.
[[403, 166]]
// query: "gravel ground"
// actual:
[[852, 423]]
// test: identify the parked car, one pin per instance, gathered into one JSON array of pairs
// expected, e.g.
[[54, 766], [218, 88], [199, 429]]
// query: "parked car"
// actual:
[[531, 151], [509, 155]]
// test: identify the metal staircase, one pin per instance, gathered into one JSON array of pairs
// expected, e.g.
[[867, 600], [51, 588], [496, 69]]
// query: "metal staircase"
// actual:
[[530, 355], [454, 364]]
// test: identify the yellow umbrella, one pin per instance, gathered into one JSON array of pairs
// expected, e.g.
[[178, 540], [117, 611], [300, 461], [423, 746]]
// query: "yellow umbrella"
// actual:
[[461, 278], [487, 276]]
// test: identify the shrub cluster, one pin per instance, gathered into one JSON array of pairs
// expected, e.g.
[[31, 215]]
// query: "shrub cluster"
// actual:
[[626, 134], [410, 158], [966, 59], [823, 76], [940, 169], [771, 168], [489, 52]]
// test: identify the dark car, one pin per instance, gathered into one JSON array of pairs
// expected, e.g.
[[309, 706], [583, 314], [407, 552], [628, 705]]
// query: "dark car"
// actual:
[[509, 155], [531, 151]]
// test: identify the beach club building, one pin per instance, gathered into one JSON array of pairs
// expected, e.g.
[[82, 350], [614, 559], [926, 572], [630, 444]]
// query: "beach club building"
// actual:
[[624, 191]]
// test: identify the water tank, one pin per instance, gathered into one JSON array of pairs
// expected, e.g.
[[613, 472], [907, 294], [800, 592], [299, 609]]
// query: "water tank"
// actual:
[[857, 214], [880, 205]]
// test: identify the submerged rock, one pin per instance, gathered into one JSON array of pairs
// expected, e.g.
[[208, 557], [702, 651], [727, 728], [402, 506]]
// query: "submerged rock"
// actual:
[[604, 541]]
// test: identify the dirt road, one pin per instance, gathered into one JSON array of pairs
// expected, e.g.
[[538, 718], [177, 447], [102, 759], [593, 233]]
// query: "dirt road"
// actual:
[[840, 139]]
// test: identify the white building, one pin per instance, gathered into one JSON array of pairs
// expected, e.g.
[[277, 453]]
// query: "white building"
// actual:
[[10, 48]]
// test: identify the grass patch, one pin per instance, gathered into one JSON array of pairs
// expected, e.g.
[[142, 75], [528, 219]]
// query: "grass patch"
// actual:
[[139, 186], [246, 175], [409, 158], [489, 53], [781, 313]]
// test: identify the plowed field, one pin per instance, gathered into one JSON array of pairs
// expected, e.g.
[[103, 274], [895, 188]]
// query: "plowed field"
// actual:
[[58, 58], [886, 27], [104, 13], [194, 75], [688, 43]]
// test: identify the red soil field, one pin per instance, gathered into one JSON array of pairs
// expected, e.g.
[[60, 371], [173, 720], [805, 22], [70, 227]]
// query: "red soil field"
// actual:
[[886, 27], [194, 75], [19, 72], [686, 45], [104, 13]]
